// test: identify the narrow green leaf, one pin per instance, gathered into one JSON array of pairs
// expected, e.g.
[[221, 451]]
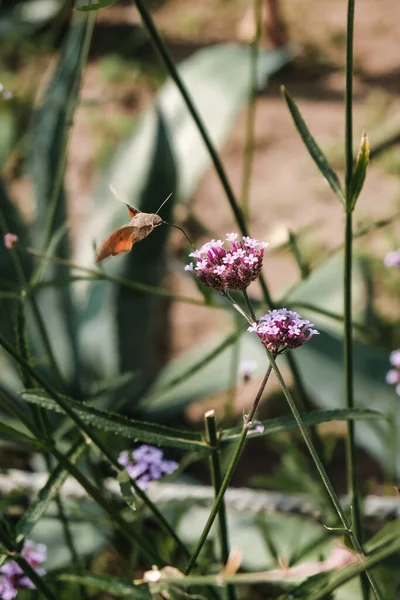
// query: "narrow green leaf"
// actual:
[[139, 431], [127, 490], [313, 418], [20, 436], [109, 584], [360, 172], [315, 151], [95, 5], [47, 493]]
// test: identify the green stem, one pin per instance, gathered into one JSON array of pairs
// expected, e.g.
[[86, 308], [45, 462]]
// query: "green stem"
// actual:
[[321, 470], [35, 578], [98, 274], [215, 467], [228, 476], [63, 403], [125, 528], [32, 301], [251, 110], [173, 72], [352, 483]]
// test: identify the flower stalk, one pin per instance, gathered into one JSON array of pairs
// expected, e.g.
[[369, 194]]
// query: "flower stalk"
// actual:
[[210, 424], [247, 424]]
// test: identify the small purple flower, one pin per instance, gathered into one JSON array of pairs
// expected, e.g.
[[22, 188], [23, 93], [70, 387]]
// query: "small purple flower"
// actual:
[[393, 376], [392, 259], [12, 577], [7, 589], [231, 268], [246, 370], [145, 464], [283, 329], [10, 240]]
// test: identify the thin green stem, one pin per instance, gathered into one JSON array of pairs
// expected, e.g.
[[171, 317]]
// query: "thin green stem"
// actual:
[[32, 301], [347, 527], [125, 528], [251, 110], [249, 306], [34, 577], [351, 460], [228, 476], [173, 72], [63, 403], [216, 476], [98, 274]]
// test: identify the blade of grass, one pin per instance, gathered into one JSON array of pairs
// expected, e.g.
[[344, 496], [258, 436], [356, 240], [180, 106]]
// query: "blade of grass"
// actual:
[[315, 151]]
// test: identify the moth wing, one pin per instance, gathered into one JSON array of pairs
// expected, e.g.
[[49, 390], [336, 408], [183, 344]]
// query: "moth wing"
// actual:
[[132, 211], [120, 241]]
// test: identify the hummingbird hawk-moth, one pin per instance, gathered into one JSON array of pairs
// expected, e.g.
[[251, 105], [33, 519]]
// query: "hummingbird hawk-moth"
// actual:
[[139, 227], [122, 240]]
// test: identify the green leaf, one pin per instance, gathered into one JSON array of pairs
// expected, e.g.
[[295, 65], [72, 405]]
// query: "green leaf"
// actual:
[[315, 151], [312, 418], [94, 5], [178, 383], [47, 494], [109, 584], [127, 491], [360, 172], [151, 164], [324, 290], [139, 431], [49, 142], [19, 436], [321, 365]]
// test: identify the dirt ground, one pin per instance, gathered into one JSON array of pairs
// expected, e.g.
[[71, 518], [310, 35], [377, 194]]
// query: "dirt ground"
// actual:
[[287, 191]]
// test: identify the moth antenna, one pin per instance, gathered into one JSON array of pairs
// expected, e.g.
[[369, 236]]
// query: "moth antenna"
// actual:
[[116, 193], [183, 231], [164, 203]]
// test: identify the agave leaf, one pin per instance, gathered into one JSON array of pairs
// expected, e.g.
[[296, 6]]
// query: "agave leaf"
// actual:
[[321, 364], [123, 426], [49, 143], [165, 154]]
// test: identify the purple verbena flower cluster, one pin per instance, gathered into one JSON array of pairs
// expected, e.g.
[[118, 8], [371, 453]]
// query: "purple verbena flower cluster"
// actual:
[[283, 329], [393, 376], [145, 464], [231, 268], [12, 577], [393, 259]]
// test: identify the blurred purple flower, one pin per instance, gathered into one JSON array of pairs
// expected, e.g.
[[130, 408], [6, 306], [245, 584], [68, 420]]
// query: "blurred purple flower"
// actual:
[[246, 370], [145, 464], [228, 269], [10, 239], [12, 577], [392, 259], [257, 428], [393, 376], [282, 329]]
